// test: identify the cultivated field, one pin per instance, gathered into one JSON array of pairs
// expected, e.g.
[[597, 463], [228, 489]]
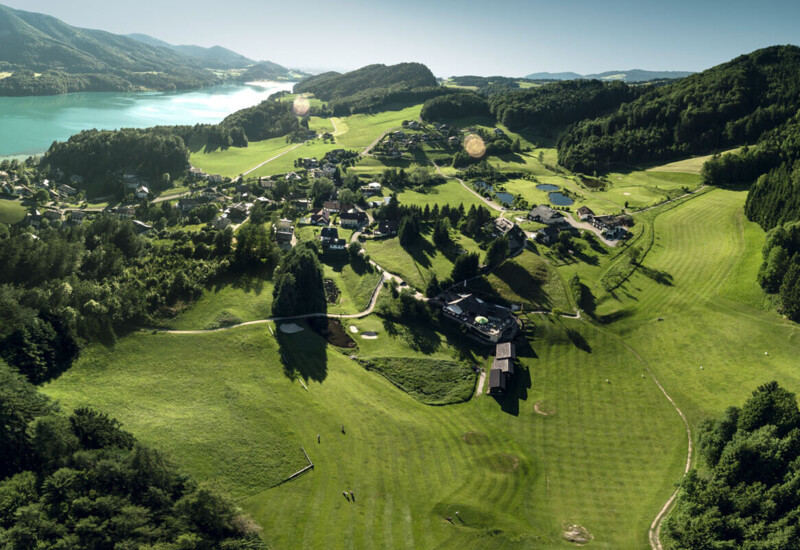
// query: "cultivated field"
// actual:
[[11, 211]]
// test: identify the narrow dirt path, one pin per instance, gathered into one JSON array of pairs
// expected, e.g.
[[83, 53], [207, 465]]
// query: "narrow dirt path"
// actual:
[[491, 204], [273, 158], [654, 534], [359, 315], [481, 382], [372, 145]]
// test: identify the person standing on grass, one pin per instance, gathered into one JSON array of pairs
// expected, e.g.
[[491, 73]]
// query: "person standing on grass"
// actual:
[[317, 438]]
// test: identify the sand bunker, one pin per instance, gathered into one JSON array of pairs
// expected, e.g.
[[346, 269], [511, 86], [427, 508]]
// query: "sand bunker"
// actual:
[[627, 194], [370, 336], [577, 534], [291, 328], [354, 329]]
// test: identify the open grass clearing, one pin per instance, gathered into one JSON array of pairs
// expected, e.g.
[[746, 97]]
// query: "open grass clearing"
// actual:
[[11, 211], [358, 131], [420, 261]]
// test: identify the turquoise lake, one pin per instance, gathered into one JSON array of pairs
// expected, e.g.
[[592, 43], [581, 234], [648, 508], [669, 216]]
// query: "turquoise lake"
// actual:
[[28, 125]]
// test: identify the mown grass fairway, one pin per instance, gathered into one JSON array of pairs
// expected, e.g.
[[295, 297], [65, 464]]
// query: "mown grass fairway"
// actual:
[[700, 277], [515, 476]]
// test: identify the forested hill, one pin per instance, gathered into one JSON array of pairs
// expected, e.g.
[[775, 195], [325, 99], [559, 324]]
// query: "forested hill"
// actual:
[[560, 103], [332, 85], [45, 56], [74, 59], [727, 105], [373, 88]]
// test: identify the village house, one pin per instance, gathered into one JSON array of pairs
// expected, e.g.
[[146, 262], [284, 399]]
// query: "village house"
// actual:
[[548, 235], [216, 179], [76, 217], [284, 234], [328, 234], [502, 367], [292, 176], [238, 212], [221, 223], [488, 323], [353, 218], [585, 213], [195, 174], [320, 217], [266, 183], [504, 227], [336, 245], [373, 188], [332, 206], [33, 219], [190, 203], [545, 214], [67, 190], [142, 192], [454, 141], [387, 228], [605, 223], [413, 125]]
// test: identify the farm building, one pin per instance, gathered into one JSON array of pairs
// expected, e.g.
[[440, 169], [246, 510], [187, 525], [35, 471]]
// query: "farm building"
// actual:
[[485, 322], [545, 214]]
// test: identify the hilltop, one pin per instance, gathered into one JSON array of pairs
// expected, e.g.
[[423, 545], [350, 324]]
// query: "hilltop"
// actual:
[[632, 75], [42, 55]]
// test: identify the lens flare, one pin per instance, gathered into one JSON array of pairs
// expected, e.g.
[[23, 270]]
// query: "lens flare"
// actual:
[[474, 146], [301, 106]]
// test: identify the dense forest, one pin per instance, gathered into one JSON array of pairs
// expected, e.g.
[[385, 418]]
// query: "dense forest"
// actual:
[[747, 495], [452, 106], [727, 105], [560, 103], [79, 480], [102, 156]]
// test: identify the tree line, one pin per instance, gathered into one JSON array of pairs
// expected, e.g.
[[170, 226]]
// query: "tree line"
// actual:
[[747, 494]]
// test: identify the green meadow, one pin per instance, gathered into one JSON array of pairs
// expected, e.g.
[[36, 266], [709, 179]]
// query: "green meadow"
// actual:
[[11, 211], [236, 160]]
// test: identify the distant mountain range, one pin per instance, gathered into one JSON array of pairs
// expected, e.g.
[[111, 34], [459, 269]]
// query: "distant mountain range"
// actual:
[[215, 57], [46, 56], [633, 75]]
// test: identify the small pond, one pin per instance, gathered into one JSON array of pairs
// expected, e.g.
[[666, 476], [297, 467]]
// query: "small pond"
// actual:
[[503, 196], [547, 187], [559, 199]]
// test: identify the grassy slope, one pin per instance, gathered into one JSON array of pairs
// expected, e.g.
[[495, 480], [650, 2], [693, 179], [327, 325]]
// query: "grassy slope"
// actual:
[[712, 311], [500, 464], [236, 160], [417, 264], [11, 211]]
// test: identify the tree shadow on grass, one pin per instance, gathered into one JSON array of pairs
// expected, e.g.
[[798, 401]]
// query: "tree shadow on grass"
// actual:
[[303, 354], [578, 340], [516, 390], [421, 251], [658, 275], [420, 337], [523, 284]]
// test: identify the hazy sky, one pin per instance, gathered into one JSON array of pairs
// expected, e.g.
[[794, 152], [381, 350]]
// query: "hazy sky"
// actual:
[[505, 37]]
